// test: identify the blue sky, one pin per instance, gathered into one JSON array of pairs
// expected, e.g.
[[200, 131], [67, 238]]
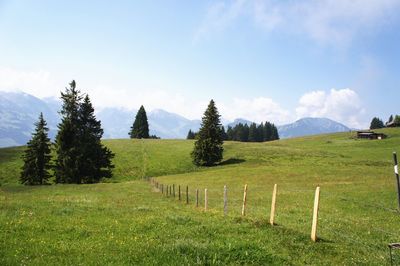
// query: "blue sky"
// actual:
[[261, 60]]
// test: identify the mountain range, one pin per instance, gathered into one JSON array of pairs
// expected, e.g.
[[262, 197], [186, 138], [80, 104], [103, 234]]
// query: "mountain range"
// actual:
[[19, 111]]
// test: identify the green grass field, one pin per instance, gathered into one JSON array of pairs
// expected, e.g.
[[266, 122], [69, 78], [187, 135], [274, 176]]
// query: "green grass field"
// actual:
[[127, 221]]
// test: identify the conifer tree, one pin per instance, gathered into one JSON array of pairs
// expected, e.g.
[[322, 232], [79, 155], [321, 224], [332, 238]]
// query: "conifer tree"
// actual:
[[230, 133], [252, 132], [274, 132], [390, 119], [190, 134], [259, 132], [224, 135], [67, 139], [35, 170], [376, 123], [140, 127], [208, 148], [94, 159]]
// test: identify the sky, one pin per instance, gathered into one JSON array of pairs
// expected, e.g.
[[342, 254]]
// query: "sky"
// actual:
[[275, 60]]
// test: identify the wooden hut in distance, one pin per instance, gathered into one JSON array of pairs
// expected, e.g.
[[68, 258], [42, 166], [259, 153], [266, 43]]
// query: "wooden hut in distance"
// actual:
[[370, 135]]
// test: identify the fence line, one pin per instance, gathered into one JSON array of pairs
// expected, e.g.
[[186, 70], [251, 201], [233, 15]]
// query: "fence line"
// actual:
[[224, 202]]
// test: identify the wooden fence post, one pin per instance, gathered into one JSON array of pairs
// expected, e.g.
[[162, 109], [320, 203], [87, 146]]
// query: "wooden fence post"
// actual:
[[225, 201], [244, 200], [205, 200], [162, 189], [166, 194], [197, 197], [396, 173], [179, 192], [315, 216], [273, 204], [173, 189], [187, 194]]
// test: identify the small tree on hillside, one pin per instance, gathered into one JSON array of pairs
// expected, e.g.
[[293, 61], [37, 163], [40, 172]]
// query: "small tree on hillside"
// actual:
[[208, 148], [140, 128], [376, 123], [37, 156], [190, 134]]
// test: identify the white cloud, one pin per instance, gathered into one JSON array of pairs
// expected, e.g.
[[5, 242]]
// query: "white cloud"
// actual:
[[340, 105], [332, 22], [36, 82], [256, 109]]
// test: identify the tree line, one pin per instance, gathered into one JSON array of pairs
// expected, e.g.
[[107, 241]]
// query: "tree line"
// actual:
[[377, 123], [79, 155], [243, 132]]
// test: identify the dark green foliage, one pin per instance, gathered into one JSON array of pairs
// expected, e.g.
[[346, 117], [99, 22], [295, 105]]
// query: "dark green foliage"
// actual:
[[223, 133], [35, 170], [397, 120], [376, 123], [208, 147], [67, 140], [390, 119], [190, 135], [81, 158], [94, 159], [140, 128], [253, 133]]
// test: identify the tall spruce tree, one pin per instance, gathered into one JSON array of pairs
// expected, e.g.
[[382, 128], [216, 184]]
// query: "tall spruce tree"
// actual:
[[35, 170], [140, 127], [94, 158], [208, 148], [67, 139]]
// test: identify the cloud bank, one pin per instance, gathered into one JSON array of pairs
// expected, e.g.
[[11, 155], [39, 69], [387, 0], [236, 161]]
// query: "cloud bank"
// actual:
[[343, 105], [331, 22]]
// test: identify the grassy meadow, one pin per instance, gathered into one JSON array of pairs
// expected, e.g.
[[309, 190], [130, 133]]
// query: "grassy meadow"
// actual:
[[127, 221]]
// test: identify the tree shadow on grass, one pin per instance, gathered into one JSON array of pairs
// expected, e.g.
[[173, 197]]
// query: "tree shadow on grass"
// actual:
[[232, 161]]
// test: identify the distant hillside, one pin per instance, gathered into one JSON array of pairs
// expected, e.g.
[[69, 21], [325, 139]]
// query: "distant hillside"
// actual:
[[117, 122], [310, 126], [18, 112]]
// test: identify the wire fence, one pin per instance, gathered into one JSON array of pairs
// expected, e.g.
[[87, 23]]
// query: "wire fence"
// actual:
[[366, 233]]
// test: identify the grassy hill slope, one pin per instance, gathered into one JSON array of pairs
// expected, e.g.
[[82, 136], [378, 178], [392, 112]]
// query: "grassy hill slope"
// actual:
[[129, 222]]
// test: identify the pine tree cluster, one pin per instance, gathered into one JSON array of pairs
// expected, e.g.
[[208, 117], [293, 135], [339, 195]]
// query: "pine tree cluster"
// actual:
[[376, 123], [253, 133], [80, 156], [245, 133]]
